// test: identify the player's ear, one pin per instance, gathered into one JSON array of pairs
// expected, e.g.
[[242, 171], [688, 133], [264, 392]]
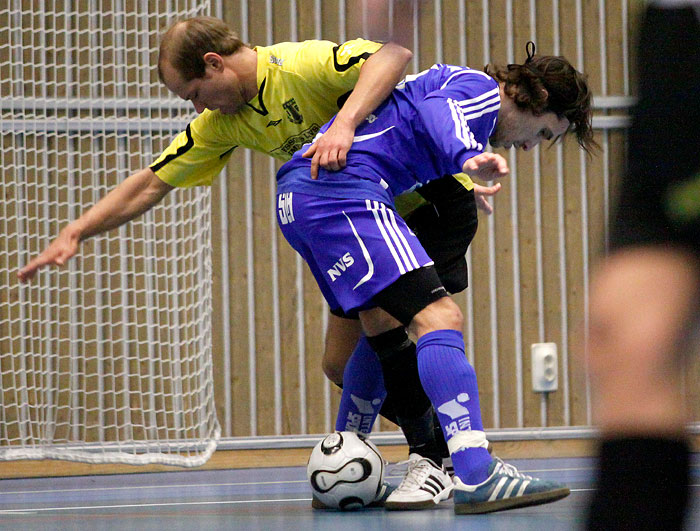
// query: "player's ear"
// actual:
[[213, 60]]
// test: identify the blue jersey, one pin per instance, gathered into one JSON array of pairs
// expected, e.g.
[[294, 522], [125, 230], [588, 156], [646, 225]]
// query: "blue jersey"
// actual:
[[428, 127]]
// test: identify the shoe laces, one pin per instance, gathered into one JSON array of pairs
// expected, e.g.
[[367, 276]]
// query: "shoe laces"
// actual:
[[509, 470], [416, 472]]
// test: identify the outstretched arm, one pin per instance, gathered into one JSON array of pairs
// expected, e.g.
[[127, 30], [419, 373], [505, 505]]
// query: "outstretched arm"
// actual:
[[131, 198], [378, 77]]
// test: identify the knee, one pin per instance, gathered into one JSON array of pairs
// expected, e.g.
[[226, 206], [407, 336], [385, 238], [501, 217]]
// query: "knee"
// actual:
[[442, 314], [452, 315]]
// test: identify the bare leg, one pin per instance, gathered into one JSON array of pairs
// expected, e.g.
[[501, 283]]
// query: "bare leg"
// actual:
[[376, 321], [341, 337], [641, 305]]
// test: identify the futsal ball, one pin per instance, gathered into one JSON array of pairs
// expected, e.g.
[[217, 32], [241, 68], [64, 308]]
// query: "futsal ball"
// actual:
[[345, 471]]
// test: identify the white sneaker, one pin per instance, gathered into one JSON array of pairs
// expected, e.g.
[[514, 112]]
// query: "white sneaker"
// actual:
[[423, 487]]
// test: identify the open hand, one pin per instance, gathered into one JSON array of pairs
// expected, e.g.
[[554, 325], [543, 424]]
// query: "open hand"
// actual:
[[57, 253], [486, 166]]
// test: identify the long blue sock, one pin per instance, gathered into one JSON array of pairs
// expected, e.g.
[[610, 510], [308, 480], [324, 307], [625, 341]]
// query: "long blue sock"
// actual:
[[363, 390], [450, 382]]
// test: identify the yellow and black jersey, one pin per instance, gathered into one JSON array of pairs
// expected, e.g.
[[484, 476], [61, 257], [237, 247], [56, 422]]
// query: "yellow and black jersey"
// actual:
[[300, 87]]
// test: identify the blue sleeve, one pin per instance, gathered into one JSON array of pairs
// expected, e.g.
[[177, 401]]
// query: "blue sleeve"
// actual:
[[459, 117]]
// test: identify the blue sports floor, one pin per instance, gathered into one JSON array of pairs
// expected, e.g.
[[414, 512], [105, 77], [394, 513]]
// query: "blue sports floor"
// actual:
[[268, 498]]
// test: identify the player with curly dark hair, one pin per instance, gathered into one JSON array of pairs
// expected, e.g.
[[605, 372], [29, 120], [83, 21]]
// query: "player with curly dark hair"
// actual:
[[547, 83], [368, 262]]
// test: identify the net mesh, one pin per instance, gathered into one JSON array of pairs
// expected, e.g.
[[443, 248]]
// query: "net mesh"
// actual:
[[109, 358]]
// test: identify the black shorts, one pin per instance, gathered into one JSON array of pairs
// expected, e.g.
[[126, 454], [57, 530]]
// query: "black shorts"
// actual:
[[406, 297], [659, 200], [445, 227]]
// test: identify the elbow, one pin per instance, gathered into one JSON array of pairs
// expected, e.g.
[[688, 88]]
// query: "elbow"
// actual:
[[400, 54], [407, 56], [404, 54]]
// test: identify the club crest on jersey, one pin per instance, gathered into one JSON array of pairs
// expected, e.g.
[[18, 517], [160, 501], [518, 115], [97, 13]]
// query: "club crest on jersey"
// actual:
[[341, 265], [293, 112]]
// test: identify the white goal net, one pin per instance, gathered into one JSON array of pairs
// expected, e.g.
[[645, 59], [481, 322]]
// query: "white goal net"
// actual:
[[107, 359]]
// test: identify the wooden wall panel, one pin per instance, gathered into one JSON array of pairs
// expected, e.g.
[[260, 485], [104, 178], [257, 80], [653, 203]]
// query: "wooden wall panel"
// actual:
[[484, 322], [503, 216], [234, 413], [306, 25], [239, 321], [330, 21], [524, 181]]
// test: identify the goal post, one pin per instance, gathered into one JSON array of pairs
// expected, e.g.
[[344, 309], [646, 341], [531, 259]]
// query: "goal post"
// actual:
[[107, 359]]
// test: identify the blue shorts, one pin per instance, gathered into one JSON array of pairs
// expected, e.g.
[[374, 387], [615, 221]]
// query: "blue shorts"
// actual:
[[354, 247]]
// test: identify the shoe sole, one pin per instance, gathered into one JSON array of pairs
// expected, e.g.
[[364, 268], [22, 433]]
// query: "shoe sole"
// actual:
[[512, 503], [419, 505], [318, 505]]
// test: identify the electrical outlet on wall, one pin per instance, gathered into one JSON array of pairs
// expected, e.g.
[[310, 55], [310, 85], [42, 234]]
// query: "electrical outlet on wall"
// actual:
[[545, 370]]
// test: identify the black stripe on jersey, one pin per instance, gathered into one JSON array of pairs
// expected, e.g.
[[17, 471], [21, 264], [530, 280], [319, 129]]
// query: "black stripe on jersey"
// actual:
[[262, 110], [180, 151], [352, 62], [343, 98], [227, 152]]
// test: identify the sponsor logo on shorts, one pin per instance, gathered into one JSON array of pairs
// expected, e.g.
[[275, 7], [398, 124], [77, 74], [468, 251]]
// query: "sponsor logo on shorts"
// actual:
[[340, 266]]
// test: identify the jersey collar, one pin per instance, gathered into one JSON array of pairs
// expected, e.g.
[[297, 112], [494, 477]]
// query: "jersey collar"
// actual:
[[258, 102]]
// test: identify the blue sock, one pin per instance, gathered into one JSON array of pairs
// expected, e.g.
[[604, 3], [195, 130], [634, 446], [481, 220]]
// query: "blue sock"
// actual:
[[450, 382], [363, 390]]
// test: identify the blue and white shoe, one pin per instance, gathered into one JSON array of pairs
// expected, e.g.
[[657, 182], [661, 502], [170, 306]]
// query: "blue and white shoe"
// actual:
[[505, 488]]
